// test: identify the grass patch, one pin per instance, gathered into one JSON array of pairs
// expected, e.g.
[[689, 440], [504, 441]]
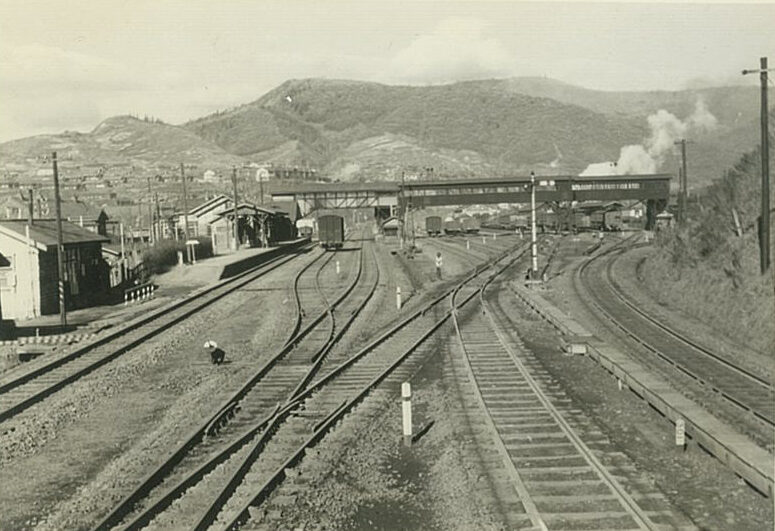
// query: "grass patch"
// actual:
[[163, 255], [710, 267]]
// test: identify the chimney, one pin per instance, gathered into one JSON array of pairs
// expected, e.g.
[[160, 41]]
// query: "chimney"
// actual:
[[30, 208]]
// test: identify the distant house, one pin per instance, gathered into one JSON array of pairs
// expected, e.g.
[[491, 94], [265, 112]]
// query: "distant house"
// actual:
[[88, 216], [29, 274], [200, 217]]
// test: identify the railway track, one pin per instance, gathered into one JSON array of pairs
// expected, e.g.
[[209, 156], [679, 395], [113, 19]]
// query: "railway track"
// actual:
[[279, 440], [215, 446], [21, 392], [558, 473], [748, 391]]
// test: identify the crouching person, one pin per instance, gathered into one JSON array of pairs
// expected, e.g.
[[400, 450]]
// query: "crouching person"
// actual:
[[217, 355]]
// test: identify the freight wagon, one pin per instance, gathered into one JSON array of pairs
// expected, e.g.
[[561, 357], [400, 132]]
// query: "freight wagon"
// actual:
[[451, 226], [305, 227], [331, 231], [433, 225], [469, 224]]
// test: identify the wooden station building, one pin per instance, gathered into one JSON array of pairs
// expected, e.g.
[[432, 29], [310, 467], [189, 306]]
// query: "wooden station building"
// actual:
[[29, 270]]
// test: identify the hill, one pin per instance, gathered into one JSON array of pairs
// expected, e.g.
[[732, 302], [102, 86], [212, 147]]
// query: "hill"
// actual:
[[472, 128], [353, 130], [356, 130], [142, 145]]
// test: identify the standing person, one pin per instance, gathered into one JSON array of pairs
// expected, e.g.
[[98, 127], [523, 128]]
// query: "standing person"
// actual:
[[217, 355], [438, 264]]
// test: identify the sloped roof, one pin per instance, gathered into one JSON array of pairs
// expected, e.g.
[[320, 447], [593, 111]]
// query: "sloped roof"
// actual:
[[210, 204], [43, 233]]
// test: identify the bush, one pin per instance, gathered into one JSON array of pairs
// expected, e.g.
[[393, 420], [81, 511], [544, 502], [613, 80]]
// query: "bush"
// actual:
[[709, 270], [163, 255]]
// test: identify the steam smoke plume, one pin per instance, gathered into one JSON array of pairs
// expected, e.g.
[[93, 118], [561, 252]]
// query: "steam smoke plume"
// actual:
[[666, 128]]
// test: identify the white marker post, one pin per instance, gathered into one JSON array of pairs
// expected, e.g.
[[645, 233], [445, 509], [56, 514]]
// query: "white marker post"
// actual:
[[337, 267], [468, 245], [398, 297], [406, 406], [494, 236], [680, 433], [484, 239]]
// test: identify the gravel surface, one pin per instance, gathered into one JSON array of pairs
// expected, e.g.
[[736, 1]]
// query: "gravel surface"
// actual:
[[696, 483], [562, 292], [85, 446], [625, 271]]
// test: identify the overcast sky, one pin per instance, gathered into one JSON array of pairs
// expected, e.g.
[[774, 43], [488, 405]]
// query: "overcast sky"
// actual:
[[69, 65]]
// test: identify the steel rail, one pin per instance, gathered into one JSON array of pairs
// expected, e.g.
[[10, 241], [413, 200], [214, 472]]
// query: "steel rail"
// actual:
[[279, 475], [629, 504], [593, 303], [205, 298], [209, 427]]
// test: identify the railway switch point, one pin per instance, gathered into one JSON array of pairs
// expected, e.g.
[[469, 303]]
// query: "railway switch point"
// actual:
[[406, 409]]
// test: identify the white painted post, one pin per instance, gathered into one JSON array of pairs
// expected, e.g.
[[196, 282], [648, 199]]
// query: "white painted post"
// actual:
[[406, 406], [468, 245], [680, 433], [619, 383], [484, 239], [337, 267], [398, 297], [126, 298], [494, 236]]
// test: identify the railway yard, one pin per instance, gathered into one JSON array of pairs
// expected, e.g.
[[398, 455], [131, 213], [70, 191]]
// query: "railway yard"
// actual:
[[536, 405]]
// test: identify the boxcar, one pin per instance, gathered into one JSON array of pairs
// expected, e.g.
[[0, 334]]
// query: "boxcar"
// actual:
[[331, 231], [613, 220], [305, 227], [451, 226], [433, 225], [469, 224]]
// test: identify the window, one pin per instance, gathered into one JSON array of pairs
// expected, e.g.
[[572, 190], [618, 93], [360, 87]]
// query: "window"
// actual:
[[7, 272]]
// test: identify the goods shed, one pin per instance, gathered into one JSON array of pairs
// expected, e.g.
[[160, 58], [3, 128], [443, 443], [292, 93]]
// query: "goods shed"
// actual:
[[29, 273]]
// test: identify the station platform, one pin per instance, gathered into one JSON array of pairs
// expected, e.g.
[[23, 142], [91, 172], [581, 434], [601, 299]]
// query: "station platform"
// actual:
[[178, 282], [223, 266]]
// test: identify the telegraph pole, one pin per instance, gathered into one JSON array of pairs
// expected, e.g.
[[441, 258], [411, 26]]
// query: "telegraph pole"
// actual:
[[150, 215], [159, 235], [682, 183], [236, 225], [60, 247], [764, 220], [185, 210], [533, 244]]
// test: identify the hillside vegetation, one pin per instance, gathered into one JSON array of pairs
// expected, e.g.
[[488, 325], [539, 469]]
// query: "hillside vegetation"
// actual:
[[120, 140], [358, 130], [710, 268], [353, 130]]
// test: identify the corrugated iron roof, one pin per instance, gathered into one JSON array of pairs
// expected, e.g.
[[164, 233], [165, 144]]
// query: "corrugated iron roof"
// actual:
[[44, 232]]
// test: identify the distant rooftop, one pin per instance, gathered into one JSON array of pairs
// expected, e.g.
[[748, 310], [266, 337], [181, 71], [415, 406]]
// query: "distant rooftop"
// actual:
[[43, 232]]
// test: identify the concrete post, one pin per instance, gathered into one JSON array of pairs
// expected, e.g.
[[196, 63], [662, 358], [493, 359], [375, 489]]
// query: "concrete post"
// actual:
[[337, 267], [468, 245], [398, 297], [680, 433], [406, 407]]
